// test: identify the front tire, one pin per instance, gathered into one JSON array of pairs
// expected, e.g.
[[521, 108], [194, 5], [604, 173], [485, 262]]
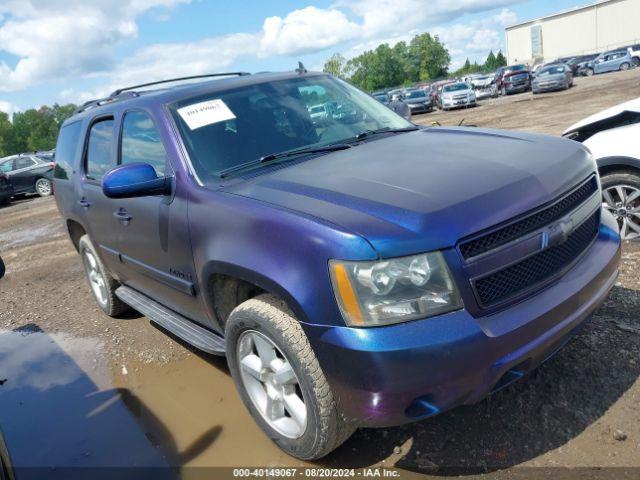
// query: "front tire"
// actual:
[[43, 187], [280, 380], [621, 196], [103, 285], [589, 72]]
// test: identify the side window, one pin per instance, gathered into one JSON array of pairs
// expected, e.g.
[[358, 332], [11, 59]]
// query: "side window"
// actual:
[[141, 142], [6, 166], [24, 162], [66, 148], [99, 159]]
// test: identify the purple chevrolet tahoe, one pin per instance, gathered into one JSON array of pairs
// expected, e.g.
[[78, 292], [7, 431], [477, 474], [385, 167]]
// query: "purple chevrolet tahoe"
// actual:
[[356, 270]]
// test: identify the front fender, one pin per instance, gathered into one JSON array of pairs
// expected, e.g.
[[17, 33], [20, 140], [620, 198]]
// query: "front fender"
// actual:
[[282, 252]]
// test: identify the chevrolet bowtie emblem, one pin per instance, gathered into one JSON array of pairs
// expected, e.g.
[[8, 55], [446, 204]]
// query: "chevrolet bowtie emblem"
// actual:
[[556, 234]]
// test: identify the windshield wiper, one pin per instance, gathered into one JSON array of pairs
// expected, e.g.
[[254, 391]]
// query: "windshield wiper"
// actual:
[[286, 154], [371, 133], [302, 151]]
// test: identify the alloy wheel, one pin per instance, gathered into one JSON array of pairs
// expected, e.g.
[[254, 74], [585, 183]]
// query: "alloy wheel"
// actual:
[[272, 384], [43, 187], [623, 201], [96, 280]]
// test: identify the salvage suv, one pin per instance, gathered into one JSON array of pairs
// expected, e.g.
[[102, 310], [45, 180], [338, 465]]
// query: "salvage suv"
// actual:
[[363, 273]]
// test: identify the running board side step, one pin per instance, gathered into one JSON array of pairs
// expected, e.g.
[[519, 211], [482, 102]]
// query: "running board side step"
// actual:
[[180, 326]]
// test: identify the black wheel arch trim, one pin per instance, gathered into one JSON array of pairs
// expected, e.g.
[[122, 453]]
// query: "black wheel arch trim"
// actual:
[[241, 273], [605, 163]]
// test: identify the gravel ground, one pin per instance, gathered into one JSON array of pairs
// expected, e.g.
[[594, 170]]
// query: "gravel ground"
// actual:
[[580, 409]]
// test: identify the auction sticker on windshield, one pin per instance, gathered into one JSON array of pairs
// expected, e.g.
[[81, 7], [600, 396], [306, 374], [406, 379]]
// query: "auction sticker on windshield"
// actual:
[[205, 113]]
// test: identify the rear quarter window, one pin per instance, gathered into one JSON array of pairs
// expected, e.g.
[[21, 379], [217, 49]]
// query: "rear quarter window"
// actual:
[[66, 149]]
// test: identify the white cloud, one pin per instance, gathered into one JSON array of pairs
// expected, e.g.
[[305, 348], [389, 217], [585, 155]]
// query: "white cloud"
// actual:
[[8, 108], [71, 39], [56, 38], [308, 29], [475, 39]]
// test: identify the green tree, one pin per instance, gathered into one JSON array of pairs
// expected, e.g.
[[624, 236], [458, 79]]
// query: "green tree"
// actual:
[[33, 129], [501, 61], [5, 134], [428, 57], [336, 65], [491, 62], [379, 68]]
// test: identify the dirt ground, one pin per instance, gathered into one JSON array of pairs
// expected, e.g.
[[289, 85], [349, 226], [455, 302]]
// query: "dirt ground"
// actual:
[[580, 409]]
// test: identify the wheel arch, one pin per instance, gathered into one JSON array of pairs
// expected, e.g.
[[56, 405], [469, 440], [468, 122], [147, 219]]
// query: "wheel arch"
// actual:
[[75, 231], [607, 165], [235, 284]]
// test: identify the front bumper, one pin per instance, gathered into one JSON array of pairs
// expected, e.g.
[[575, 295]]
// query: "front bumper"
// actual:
[[547, 86], [517, 88], [6, 192], [420, 107], [460, 103], [392, 375]]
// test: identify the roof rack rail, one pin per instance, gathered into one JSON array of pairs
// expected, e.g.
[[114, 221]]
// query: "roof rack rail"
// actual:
[[171, 80], [111, 98], [91, 104]]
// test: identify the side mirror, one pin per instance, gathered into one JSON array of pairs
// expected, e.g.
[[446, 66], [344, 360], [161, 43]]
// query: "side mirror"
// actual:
[[134, 180]]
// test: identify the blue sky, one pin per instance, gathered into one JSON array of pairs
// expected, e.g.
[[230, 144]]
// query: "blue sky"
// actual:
[[76, 50]]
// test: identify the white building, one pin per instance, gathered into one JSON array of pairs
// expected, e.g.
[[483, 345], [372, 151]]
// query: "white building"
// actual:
[[605, 25]]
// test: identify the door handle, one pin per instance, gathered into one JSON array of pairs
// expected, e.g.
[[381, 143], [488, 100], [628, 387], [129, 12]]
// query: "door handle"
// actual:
[[84, 203], [122, 216]]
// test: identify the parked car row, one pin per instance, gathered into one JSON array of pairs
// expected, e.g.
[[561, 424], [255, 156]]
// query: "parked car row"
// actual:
[[324, 113], [26, 173]]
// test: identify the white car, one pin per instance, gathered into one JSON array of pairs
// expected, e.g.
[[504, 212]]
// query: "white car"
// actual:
[[634, 51], [612, 137], [457, 95]]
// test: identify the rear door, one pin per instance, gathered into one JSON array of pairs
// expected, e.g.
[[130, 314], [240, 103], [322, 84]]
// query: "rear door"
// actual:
[[94, 208], [22, 175]]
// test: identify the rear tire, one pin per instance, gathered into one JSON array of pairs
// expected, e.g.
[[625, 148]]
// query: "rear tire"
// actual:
[[262, 332], [103, 285], [624, 66], [43, 187]]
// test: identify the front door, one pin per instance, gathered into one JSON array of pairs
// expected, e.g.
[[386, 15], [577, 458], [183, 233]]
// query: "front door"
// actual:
[[153, 232]]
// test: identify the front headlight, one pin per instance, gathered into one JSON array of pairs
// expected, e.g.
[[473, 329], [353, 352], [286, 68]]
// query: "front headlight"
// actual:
[[393, 291]]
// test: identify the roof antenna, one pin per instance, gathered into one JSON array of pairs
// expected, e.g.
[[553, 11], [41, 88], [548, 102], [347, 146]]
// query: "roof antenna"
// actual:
[[300, 70]]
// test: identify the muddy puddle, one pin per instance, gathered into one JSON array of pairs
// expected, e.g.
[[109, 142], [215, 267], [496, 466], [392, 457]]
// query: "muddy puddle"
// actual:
[[64, 405]]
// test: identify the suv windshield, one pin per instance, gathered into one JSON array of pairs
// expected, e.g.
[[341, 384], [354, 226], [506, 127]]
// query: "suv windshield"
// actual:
[[516, 68], [227, 129], [416, 94], [455, 87]]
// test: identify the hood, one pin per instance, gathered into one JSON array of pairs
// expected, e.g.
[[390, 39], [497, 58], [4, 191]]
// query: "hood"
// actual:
[[458, 92], [482, 82], [425, 99], [516, 73], [632, 106], [425, 190]]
